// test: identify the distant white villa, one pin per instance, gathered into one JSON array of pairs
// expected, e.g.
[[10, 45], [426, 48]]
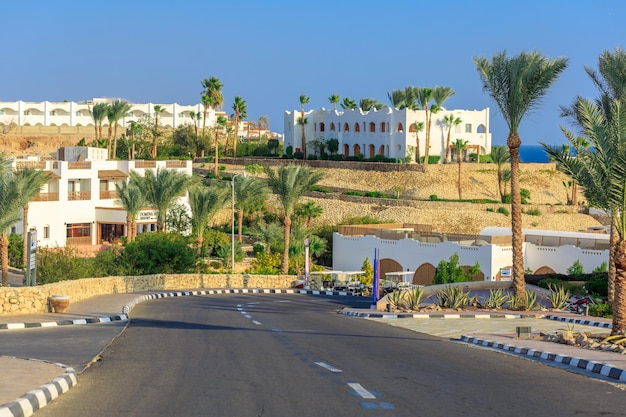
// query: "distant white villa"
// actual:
[[79, 205], [70, 113], [418, 250], [388, 132]]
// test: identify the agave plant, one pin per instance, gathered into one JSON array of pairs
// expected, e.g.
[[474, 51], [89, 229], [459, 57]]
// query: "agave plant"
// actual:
[[397, 299], [453, 297], [527, 301], [414, 298], [497, 298], [559, 296]]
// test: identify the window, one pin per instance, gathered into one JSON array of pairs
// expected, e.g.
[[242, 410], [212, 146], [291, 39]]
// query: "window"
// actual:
[[357, 128], [382, 127], [457, 129], [372, 127], [346, 127], [78, 113], [322, 127], [400, 128], [78, 230], [46, 232], [181, 114], [26, 112], [53, 113], [468, 128], [332, 126]]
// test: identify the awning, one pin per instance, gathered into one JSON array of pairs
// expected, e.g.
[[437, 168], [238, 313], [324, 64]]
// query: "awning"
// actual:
[[112, 173]]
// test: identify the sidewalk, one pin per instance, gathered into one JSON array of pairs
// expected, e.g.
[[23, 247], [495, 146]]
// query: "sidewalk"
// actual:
[[44, 381]]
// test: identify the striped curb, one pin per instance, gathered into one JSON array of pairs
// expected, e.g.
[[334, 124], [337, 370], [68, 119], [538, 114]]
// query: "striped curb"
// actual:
[[579, 321], [591, 366], [38, 398], [128, 307], [427, 316]]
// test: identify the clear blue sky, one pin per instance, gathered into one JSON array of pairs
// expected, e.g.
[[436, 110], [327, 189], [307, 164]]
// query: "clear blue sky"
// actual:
[[270, 52]]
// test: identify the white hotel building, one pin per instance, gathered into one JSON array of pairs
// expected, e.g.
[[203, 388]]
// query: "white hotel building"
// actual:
[[79, 206], [388, 132], [70, 113]]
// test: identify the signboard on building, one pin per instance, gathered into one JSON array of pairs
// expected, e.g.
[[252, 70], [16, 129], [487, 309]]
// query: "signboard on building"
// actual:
[[506, 274], [147, 216]]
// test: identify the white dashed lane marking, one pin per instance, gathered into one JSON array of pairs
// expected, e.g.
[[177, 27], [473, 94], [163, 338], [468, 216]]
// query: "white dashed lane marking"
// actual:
[[362, 392], [328, 367], [256, 322]]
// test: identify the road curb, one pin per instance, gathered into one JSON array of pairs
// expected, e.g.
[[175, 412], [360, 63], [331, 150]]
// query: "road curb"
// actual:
[[591, 366], [38, 398]]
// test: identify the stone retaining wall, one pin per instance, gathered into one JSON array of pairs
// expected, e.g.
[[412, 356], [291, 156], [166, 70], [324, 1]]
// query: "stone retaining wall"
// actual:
[[23, 300]]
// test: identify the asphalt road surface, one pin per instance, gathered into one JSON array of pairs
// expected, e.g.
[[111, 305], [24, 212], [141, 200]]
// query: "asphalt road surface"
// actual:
[[292, 355]]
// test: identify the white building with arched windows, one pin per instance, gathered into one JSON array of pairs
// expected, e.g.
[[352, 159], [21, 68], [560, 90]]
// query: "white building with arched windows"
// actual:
[[388, 132]]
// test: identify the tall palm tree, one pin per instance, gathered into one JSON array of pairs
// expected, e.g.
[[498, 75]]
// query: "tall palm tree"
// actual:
[[418, 127], [334, 100], [220, 125], [213, 89], [517, 85], [424, 95], [158, 109], [206, 104], [289, 183], [264, 122], [367, 103], [205, 202], [241, 112], [195, 118], [133, 128], [601, 170], [579, 144], [119, 109], [397, 98], [500, 155], [161, 190], [440, 95], [308, 211], [98, 113], [31, 181], [133, 200], [111, 120], [303, 100], [250, 194], [459, 146], [450, 121], [348, 104]]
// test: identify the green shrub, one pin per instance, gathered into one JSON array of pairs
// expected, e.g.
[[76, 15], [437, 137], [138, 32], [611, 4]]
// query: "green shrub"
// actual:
[[375, 194], [598, 287], [450, 271], [320, 189], [16, 249], [576, 269], [61, 264], [453, 297], [533, 212], [503, 210], [600, 310], [433, 197], [352, 192], [506, 199], [159, 253], [559, 296], [489, 209], [525, 195], [497, 298]]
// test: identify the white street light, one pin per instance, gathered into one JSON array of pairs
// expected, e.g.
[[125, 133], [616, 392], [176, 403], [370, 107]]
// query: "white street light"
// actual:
[[232, 230]]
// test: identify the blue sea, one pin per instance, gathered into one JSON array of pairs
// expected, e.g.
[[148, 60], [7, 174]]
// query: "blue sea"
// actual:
[[532, 153]]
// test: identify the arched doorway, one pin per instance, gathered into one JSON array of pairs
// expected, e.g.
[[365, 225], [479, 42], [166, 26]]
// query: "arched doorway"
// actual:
[[372, 151], [346, 150], [545, 270], [356, 149], [389, 265], [424, 275]]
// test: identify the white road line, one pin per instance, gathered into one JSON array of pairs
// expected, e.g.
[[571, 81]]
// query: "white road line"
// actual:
[[361, 391], [238, 305], [256, 322], [248, 316], [243, 312], [328, 367]]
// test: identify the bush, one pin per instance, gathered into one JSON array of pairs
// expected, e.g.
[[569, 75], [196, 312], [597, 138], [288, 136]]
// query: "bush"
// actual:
[[159, 253], [336, 157], [16, 250], [503, 210], [450, 271], [598, 287], [600, 310], [489, 209], [352, 192], [61, 264], [433, 197], [533, 212], [375, 194], [320, 189], [576, 269], [298, 155]]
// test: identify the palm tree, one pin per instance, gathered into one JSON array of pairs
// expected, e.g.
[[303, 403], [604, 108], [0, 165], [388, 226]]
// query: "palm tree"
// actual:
[[303, 100], [289, 183], [366, 104], [397, 98], [418, 127], [440, 95], [98, 113], [334, 100], [308, 211], [264, 122], [220, 125], [206, 103], [158, 109], [239, 106], [500, 155], [423, 96], [132, 199], [517, 85], [348, 104], [450, 121], [31, 181], [205, 203], [111, 119], [250, 194], [134, 128], [119, 109], [213, 89], [459, 146], [195, 118], [161, 190], [579, 144]]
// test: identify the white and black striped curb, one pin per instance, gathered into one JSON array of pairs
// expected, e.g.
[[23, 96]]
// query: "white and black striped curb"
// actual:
[[591, 366], [579, 321], [38, 398], [378, 315], [128, 307]]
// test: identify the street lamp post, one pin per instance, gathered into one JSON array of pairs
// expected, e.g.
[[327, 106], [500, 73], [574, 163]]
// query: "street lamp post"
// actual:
[[232, 230]]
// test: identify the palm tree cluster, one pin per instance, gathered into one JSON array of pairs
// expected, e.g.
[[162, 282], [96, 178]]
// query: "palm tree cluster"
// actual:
[[113, 112], [599, 165], [17, 188]]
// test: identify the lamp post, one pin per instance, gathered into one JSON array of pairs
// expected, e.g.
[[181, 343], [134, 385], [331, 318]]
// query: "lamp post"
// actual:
[[232, 230]]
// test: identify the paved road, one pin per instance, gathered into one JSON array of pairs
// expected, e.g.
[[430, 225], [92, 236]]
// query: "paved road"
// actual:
[[268, 355]]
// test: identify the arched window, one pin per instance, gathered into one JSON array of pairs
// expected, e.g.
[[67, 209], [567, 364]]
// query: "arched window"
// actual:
[[381, 150], [372, 151], [372, 127], [322, 127], [357, 128], [346, 127], [332, 127], [400, 128], [412, 128], [382, 127], [481, 129], [346, 150], [357, 149]]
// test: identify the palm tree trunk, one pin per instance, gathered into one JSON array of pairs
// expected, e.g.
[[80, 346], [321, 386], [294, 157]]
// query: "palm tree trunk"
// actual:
[[115, 141], [619, 304], [239, 223], [4, 250], [614, 238], [129, 228], [459, 179], [427, 142], [574, 193], [519, 282], [25, 228], [199, 241], [303, 136], [285, 267], [217, 144], [447, 158], [417, 148], [236, 137], [204, 121]]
